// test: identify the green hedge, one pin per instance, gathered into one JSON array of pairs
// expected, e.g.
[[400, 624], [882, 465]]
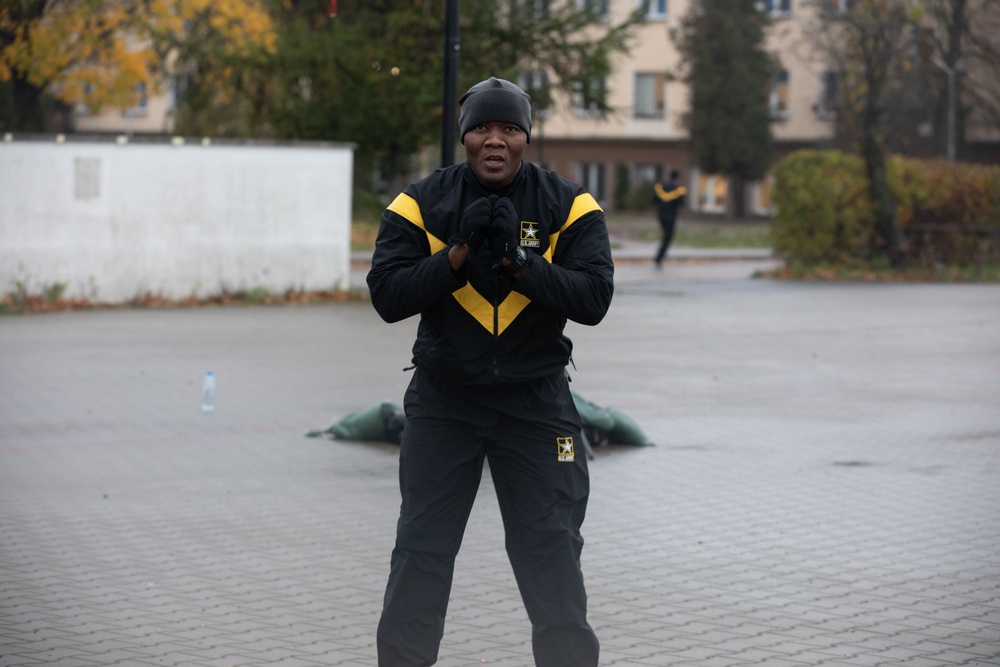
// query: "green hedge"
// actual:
[[950, 214]]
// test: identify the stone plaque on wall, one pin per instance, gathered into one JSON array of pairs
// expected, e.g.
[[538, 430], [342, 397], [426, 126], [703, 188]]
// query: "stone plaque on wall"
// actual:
[[87, 177]]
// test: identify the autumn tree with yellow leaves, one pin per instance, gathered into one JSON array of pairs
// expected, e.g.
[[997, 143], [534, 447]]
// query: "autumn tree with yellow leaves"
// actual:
[[106, 53]]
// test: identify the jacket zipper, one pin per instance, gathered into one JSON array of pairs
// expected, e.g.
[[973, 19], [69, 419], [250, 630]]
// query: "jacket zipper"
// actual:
[[496, 332]]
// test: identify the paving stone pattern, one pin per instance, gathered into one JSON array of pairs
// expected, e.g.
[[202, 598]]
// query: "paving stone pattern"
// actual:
[[825, 489]]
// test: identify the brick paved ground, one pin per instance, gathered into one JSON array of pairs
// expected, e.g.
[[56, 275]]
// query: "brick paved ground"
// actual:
[[825, 489]]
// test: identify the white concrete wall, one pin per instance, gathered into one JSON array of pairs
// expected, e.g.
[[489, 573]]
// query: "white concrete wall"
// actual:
[[115, 221]]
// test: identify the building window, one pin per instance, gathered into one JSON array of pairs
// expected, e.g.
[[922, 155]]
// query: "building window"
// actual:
[[778, 99], [140, 108], [587, 98], [711, 192], [777, 8], [142, 104], [650, 95], [826, 106], [600, 7], [760, 193], [648, 173], [536, 83], [83, 109], [655, 9], [591, 176], [540, 9], [843, 6]]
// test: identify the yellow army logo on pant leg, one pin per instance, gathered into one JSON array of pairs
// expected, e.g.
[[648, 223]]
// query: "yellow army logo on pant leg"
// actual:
[[565, 447]]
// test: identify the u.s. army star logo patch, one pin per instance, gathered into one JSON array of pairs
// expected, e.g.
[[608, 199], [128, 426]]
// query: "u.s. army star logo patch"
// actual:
[[529, 234], [565, 447]]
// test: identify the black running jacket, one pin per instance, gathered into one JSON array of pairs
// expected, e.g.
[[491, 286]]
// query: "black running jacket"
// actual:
[[479, 326]]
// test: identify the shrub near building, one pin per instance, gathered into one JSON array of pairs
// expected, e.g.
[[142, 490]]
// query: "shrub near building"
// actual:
[[951, 213], [825, 216], [823, 212]]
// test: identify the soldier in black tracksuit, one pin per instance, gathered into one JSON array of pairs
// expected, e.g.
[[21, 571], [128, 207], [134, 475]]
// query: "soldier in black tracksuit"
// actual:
[[495, 255], [669, 198]]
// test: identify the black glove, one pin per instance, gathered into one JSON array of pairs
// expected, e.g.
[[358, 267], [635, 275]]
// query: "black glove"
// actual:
[[474, 226], [504, 232]]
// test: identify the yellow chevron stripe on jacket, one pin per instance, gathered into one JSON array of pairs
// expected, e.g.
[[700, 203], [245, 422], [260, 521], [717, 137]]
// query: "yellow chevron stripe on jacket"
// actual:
[[582, 205], [467, 296], [407, 207], [676, 193], [481, 309]]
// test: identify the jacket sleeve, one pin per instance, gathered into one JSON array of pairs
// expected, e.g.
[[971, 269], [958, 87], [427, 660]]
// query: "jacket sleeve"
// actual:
[[406, 277], [578, 283]]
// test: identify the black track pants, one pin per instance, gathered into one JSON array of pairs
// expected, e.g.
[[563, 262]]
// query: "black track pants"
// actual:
[[667, 225], [531, 435]]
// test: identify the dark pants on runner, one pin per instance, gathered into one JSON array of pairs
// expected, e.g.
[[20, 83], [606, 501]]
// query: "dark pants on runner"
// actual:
[[531, 435], [667, 224]]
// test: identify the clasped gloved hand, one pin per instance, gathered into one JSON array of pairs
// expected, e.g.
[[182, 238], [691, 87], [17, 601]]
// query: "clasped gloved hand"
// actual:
[[504, 231], [474, 226]]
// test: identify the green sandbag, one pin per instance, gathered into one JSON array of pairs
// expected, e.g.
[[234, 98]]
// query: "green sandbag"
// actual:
[[370, 424], [625, 431], [592, 416], [384, 423]]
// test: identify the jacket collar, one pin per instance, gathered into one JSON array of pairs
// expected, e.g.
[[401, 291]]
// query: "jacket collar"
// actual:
[[505, 191]]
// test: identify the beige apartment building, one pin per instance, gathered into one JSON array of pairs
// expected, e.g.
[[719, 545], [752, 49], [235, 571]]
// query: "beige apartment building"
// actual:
[[644, 133], [153, 115], [644, 136]]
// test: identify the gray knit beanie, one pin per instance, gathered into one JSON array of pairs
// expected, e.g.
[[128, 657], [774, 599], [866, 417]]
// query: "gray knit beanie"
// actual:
[[494, 100]]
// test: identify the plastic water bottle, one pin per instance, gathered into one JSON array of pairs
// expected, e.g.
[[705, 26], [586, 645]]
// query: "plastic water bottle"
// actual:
[[208, 392]]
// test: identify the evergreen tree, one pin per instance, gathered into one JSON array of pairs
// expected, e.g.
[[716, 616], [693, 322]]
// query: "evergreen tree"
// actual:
[[729, 75]]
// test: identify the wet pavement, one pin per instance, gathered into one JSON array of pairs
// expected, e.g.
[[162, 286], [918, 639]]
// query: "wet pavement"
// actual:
[[824, 489]]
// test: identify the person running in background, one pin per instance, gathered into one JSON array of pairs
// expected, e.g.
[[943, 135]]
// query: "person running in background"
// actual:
[[669, 198]]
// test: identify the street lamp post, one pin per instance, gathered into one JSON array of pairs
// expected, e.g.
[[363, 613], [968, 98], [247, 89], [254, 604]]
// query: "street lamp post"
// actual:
[[451, 48], [950, 72]]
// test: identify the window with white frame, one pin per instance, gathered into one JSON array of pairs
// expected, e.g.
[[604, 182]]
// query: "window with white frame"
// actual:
[[540, 9], [141, 106], [711, 192], [826, 106], [591, 176], [587, 96], [600, 7], [535, 82], [777, 8], [648, 173], [83, 109], [650, 94], [760, 196], [778, 98], [655, 9]]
